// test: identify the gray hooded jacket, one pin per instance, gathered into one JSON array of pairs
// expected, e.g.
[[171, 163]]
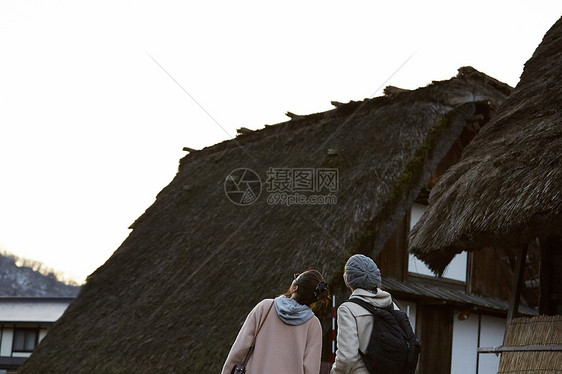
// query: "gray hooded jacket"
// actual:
[[291, 312], [355, 324]]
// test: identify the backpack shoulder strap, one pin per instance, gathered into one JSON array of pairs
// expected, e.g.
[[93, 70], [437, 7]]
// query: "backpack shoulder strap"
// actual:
[[262, 322], [370, 307], [364, 304], [249, 353], [387, 314]]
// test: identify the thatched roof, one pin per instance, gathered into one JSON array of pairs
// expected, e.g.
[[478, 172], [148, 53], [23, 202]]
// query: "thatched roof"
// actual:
[[534, 333], [173, 296], [507, 188]]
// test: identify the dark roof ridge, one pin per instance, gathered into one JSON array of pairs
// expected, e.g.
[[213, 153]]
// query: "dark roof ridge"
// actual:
[[427, 93]]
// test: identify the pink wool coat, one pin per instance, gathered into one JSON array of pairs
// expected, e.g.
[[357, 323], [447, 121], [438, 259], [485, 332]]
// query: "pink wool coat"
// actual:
[[280, 348]]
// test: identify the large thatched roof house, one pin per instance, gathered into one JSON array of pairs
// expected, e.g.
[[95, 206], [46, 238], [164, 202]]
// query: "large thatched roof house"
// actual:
[[505, 195], [242, 216], [507, 189]]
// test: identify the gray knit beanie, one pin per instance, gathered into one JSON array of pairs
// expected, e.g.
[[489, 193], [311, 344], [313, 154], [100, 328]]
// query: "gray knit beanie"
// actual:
[[362, 272]]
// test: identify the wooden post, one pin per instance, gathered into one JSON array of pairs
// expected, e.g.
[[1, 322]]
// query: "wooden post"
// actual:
[[550, 276], [545, 274], [516, 286]]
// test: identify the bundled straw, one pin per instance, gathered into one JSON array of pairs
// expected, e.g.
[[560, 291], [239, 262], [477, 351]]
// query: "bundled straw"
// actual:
[[535, 331]]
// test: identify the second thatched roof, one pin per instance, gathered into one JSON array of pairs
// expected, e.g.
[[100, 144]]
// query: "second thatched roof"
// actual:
[[507, 188]]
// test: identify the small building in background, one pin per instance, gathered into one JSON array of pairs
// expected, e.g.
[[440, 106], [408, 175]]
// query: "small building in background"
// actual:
[[24, 322]]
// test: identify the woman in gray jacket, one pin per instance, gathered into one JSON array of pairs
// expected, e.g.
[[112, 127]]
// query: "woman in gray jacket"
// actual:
[[355, 323]]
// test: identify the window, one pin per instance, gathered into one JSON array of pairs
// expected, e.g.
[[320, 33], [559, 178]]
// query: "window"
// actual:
[[25, 340], [456, 269]]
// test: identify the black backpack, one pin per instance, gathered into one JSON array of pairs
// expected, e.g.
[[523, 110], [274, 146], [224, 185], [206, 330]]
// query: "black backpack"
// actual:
[[393, 347]]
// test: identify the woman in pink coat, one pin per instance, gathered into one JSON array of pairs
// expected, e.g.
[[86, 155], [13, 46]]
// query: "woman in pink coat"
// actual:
[[290, 340]]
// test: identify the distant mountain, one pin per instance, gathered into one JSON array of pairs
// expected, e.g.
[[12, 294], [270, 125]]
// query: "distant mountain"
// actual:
[[23, 281]]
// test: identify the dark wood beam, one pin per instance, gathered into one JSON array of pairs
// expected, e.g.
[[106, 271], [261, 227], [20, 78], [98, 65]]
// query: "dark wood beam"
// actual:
[[516, 285], [550, 300], [545, 274]]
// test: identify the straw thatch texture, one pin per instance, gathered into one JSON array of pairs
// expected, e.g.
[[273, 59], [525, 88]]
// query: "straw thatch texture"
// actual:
[[507, 188], [173, 296], [535, 331]]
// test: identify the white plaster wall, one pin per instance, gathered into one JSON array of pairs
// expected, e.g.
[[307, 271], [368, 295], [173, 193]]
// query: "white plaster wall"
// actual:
[[415, 265], [418, 267], [410, 309], [465, 343], [456, 269], [42, 334], [21, 354], [416, 213], [491, 335], [6, 343]]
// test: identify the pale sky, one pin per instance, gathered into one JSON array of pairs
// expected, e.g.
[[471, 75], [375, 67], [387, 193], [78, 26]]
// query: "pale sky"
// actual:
[[92, 127]]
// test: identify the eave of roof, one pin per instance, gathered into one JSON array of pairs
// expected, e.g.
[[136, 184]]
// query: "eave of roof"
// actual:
[[441, 294]]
